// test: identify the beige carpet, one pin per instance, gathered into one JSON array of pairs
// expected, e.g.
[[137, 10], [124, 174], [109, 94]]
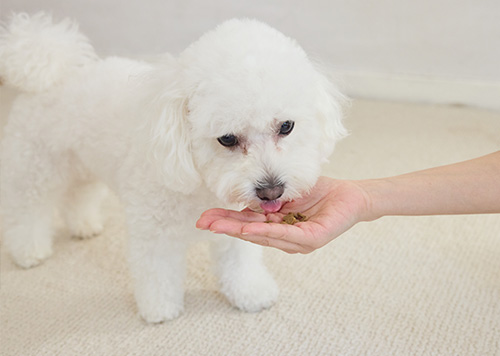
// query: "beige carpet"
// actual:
[[397, 286]]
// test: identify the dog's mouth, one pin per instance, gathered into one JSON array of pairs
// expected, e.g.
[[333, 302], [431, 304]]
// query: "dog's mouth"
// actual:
[[265, 207], [271, 206]]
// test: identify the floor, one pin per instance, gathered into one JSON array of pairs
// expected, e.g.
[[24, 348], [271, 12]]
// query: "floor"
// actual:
[[396, 286]]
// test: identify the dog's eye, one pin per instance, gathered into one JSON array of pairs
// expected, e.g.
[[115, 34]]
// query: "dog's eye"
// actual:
[[228, 140], [286, 127]]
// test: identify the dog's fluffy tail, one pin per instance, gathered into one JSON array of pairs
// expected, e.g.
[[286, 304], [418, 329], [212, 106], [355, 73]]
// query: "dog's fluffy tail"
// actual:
[[36, 53]]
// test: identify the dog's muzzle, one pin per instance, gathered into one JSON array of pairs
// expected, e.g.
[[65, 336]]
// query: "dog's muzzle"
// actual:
[[269, 196], [268, 192]]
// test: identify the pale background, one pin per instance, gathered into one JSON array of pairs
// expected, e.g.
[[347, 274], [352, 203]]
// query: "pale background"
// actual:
[[445, 51]]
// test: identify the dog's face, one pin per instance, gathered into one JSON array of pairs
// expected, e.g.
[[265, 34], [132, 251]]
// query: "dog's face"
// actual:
[[257, 146], [260, 117]]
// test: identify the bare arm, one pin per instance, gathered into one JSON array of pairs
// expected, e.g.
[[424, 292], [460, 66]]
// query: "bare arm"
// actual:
[[470, 187], [334, 206]]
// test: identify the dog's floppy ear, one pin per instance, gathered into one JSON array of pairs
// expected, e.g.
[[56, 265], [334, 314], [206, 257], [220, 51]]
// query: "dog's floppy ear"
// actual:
[[329, 114], [168, 129]]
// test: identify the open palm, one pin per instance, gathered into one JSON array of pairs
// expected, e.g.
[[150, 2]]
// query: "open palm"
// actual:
[[332, 207]]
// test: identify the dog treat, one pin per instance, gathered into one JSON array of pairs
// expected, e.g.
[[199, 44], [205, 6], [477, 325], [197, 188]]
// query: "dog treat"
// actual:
[[292, 218]]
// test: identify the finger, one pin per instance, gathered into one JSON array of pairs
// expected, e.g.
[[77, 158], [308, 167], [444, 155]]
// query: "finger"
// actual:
[[282, 245], [307, 235], [235, 228], [299, 238], [208, 217], [290, 233], [278, 239], [230, 227], [244, 215], [274, 217]]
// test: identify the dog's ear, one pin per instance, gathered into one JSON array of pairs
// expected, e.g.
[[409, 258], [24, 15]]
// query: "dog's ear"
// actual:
[[329, 114], [169, 146]]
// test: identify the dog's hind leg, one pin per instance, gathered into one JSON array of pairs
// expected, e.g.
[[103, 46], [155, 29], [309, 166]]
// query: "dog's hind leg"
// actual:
[[82, 208], [29, 189]]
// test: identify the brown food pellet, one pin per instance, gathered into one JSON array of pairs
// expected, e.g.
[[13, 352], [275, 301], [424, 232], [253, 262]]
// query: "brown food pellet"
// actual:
[[292, 218]]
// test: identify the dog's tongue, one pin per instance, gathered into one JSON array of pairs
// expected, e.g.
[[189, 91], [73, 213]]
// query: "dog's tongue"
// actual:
[[271, 206]]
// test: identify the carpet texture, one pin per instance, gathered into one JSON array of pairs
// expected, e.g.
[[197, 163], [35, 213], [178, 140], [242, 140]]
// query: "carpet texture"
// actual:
[[396, 286]]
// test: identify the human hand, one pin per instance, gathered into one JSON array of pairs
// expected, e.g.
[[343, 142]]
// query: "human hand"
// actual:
[[332, 207]]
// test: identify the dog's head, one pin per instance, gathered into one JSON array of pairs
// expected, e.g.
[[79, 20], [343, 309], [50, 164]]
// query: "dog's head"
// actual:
[[252, 117]]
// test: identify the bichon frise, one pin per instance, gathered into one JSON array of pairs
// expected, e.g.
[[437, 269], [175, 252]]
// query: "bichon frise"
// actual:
[[242, 116]]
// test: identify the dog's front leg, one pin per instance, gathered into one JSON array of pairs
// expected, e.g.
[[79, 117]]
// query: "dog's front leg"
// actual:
[[243, 277], [157, 264]]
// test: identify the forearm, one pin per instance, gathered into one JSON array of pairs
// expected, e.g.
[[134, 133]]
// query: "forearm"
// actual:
[[469, 187]]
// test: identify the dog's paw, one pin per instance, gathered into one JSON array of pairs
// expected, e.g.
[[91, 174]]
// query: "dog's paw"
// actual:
[[252, 293], [166, 311], [156, 304], [31, 257], [86, 228]]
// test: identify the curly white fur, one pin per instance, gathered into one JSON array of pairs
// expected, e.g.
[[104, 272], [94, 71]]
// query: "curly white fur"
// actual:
[[149, 131], [37, 54]]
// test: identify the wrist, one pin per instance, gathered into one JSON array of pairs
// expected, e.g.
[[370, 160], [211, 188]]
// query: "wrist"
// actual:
[[376, 200]]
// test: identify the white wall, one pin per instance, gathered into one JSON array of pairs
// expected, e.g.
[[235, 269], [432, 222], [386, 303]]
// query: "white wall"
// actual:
[[427, 50]]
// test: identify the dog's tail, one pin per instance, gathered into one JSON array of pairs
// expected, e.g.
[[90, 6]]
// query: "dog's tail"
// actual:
[[36, 53]]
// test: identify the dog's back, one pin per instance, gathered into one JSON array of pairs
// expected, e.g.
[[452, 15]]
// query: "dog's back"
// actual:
[[72, 103]]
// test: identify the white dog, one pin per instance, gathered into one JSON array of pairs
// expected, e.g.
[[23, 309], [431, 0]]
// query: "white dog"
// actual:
[[242, 116]]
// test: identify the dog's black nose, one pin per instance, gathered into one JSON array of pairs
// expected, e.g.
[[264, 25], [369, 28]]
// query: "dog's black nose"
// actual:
[[270, 192]]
